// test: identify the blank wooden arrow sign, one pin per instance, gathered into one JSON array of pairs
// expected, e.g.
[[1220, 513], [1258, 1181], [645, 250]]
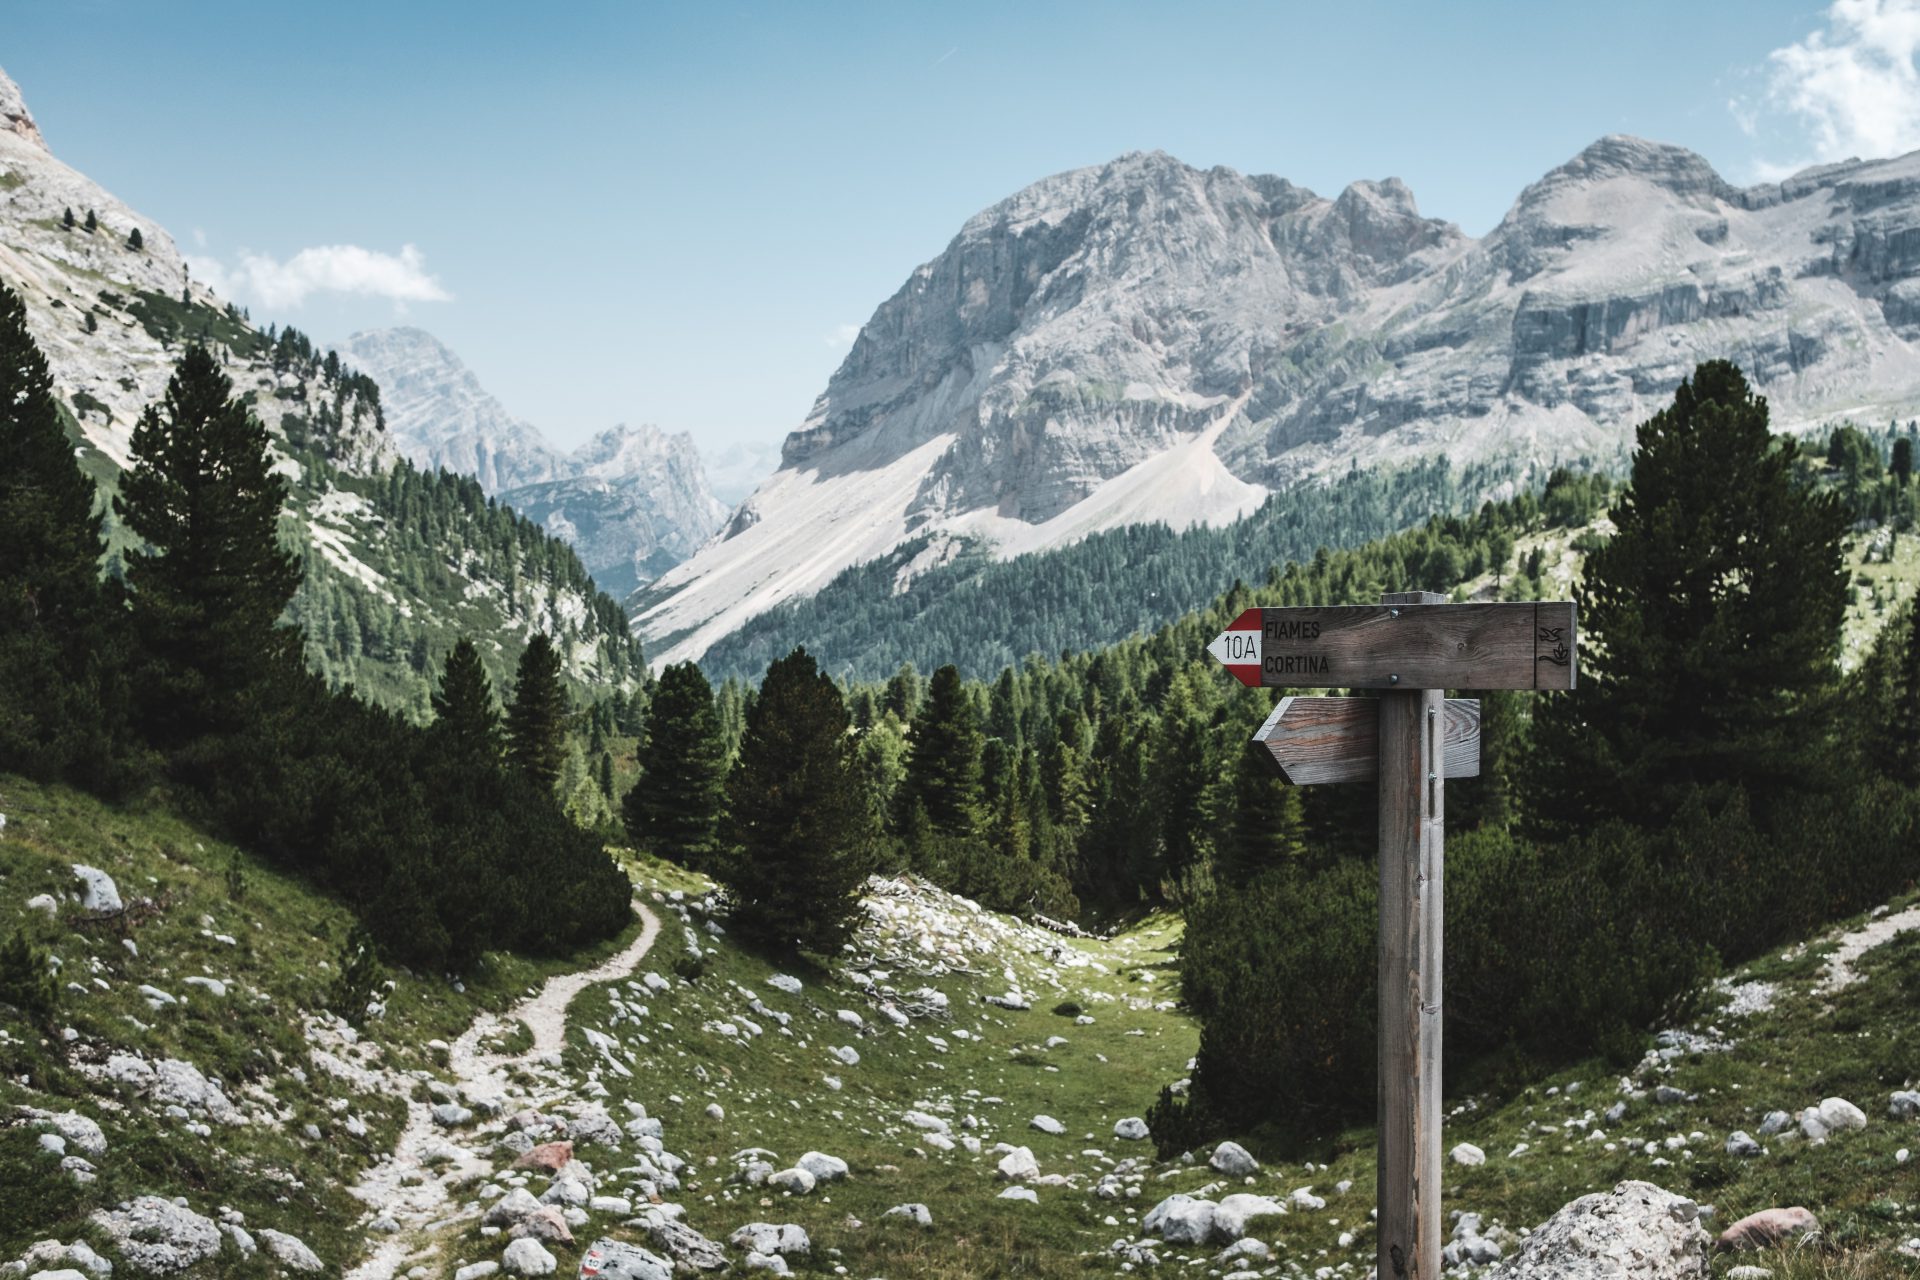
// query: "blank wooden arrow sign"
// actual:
[[1320, 740]]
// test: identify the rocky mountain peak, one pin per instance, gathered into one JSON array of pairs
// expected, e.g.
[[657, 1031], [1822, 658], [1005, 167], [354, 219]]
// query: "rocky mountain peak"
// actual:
[[14, 116], [1146, 340], [1674, 169]]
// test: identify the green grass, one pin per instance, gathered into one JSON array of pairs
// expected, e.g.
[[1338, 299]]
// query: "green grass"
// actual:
[[775, 1093], [278, 967]]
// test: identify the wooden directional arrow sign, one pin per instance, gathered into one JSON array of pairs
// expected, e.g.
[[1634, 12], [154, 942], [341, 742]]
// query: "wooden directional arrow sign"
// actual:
[[1410, 739], [1522, 645], [1319, 740]]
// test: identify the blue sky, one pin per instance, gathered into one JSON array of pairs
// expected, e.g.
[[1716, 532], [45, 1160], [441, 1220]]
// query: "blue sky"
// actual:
[[680, 214]]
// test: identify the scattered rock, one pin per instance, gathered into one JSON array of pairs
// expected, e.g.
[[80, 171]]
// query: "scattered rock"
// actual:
[[920, 1215], [1047, 1124], [612, 1260], [1767, 1227], [1181, 1219], [1132, 1129], [594, 1127], [1838, 1114], [785, 982], [1246, 1250], [1234, 1214], [1468, 1154], [1904, 1105], [1027, 1194], [823, 1167], [930, 1124], [1637, 1231], [524, 1257], [796, 1181], [1232, 1159], [476, 1271], [1749, 1273], [1018, 1165], [99, 896], [766, 1237], [689, 1250], [510, 1208], [548, 1157], [1775, 1122], [43, 902], [291, 1251], [451, 1115], [78, 1131], [159, 1236], [546, 1224], [1741, 1143]]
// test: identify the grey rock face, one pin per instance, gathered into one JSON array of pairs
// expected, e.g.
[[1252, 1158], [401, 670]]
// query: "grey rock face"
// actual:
[[159, 1236], [291, 1251], [633, 501], [1104, 317], [766, 1237], [688, 1248], [99, 896], [1233, 1160], [1637, 1231]]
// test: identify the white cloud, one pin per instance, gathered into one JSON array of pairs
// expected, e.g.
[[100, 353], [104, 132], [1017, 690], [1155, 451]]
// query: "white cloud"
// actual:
[[1851, 89], [329, 268], [843, 335]]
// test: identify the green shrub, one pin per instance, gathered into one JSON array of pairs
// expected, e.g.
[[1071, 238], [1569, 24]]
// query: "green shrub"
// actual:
[[358, 978], [27, 981]]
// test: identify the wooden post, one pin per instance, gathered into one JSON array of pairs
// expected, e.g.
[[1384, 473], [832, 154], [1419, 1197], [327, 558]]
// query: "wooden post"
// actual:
[[1412, 773]]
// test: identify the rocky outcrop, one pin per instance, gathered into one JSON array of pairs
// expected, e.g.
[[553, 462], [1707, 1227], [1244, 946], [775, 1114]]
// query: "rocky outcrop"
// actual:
[[1637, 1231], [1145, 340]]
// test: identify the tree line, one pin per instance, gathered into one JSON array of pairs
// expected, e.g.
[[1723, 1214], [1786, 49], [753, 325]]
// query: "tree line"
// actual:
[[177, 670]]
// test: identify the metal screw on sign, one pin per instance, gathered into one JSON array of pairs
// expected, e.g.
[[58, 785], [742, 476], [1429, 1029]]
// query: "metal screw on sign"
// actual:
[[1320, 740]]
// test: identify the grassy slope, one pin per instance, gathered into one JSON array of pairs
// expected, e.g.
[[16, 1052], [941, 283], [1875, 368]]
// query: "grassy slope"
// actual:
[[286, 938], [775, 1094]]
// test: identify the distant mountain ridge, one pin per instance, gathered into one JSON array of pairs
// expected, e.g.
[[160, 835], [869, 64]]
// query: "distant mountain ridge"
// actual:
[[633, 501], [1143, 341]]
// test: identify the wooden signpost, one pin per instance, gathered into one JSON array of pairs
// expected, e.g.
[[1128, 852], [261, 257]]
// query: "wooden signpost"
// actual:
[[1412, 646]]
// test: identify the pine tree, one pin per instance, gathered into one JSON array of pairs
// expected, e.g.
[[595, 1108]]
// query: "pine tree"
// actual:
[[213, 580], [1902, 466], [1268, 831], [62, 674], [1711, 622], [92, 323], [537, 720], [1184, 774], [66, 219], [796, 824], [943, 767], [673, 812], [93, 223], [464, 717]]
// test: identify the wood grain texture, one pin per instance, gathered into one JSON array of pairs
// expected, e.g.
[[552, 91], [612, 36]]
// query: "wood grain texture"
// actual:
[[1315, 741], [1420, 645], [1412, 814]]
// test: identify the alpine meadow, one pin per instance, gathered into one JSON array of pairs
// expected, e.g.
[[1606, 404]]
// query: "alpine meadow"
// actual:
[[1243, 733]]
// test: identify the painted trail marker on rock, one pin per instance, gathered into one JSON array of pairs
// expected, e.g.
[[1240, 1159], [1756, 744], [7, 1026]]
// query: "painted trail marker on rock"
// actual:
[[1411, 738]]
